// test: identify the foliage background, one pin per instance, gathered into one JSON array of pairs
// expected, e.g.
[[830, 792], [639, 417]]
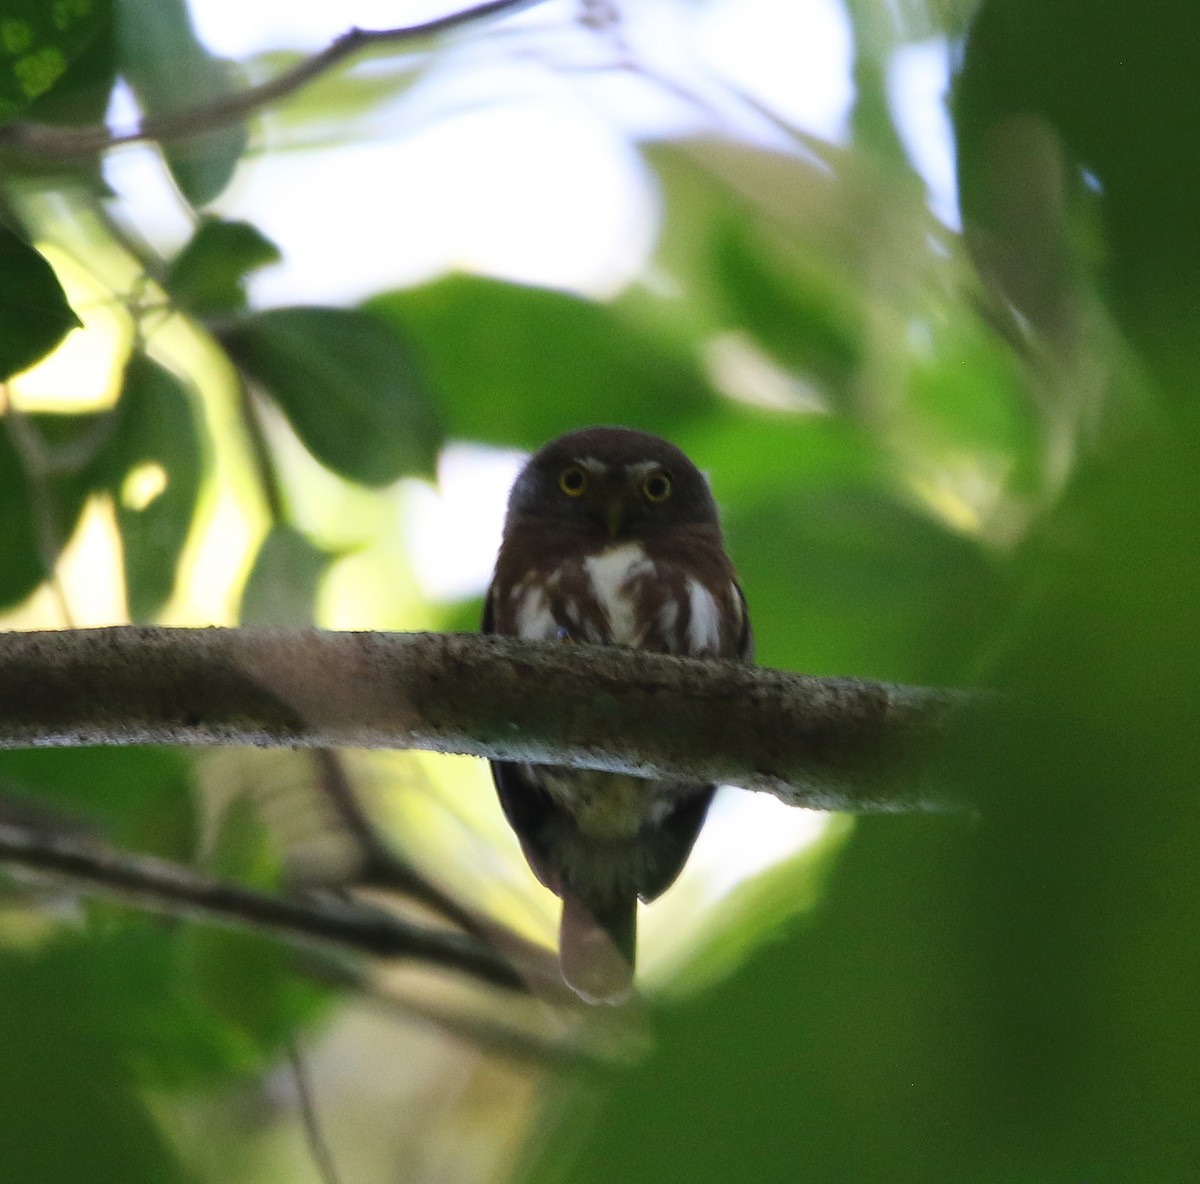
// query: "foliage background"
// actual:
[[942, 457]]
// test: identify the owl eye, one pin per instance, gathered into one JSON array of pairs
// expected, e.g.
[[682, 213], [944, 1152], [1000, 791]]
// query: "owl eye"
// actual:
[[572, 481], [657, 487]]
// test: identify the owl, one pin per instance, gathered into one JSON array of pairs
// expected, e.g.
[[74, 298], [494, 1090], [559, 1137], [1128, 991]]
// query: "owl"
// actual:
[[611, 538]]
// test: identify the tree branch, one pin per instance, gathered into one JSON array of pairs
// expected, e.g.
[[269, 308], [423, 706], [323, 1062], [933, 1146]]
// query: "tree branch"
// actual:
[[141, 880], [57, 143], [843, 744]]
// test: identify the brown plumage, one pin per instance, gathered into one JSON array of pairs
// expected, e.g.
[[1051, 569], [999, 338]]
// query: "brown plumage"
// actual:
[[611, 538]]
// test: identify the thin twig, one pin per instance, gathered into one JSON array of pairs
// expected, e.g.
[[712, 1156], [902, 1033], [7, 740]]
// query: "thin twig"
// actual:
[[318, 1148], [56, 143], [550, 1038], [168, 888]]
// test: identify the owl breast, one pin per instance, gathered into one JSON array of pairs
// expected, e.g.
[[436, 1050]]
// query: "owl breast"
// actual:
[[617, 596]]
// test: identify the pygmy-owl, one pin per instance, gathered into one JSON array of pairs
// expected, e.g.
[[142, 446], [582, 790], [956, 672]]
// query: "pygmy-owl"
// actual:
[[611, 538]]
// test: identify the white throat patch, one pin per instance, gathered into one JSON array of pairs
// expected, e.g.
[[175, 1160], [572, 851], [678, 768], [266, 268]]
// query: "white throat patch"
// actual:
[[609, 574]]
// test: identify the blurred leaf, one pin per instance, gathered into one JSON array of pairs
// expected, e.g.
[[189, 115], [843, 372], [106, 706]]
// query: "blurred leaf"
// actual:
[[853, 582], [141, 797], [516, 366], [971, 390], [22, 568], [208, 275], [969, 405], [248, 985], [1047, 91], [760, 910], [842, 574], [34, 313], [171, 71], [1008, 996], [80, 97], [152, 470], [54, 500], [244, 980], [463, 617], [171, 1037], [806, 320], [73, 1107], [38, 41], [282, 588], [241, 849], [347, 384], [751, 455], [819, 1059]]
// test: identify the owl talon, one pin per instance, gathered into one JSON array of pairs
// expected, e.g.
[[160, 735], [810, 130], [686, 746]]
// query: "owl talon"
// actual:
[[560, 634]]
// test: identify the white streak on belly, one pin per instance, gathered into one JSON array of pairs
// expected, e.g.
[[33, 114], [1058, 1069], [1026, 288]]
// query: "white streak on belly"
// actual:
[[704, 629], [610, 574], [668, 622], [535, 622]]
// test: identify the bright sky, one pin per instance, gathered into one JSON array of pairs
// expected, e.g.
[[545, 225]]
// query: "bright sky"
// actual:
[[526, 174]]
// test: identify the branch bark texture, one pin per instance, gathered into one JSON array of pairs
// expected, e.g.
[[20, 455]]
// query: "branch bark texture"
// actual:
[[843, 744]]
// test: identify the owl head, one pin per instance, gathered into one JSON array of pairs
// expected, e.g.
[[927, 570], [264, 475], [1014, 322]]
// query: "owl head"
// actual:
[[614, 483]]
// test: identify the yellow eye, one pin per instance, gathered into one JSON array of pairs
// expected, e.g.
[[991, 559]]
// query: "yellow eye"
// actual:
[[572, 481], [657, 487]]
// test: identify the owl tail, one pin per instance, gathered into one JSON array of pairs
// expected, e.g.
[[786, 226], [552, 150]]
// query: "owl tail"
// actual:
[[596, 948]]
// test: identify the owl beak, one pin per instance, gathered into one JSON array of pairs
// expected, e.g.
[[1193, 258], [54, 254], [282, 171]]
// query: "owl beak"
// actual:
[[614, 514]]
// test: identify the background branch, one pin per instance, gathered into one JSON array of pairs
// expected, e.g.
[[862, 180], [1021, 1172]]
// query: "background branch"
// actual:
[[843, 744], [155, 884], [56, 143]]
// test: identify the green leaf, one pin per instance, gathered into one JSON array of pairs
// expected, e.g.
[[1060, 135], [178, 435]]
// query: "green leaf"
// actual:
[[241, 850], [73, 1105], [140, 797], [968, 394], [80, 98], [34, 313], [208, 275], [282, 588], [516, 366], [248, 986], [38, 519], [152, 468], [170, 71], [39, 39], [1050, 93], [851, 581], [171, 1038], [806, 319], [347, 384], [246, 981], [21, 565]]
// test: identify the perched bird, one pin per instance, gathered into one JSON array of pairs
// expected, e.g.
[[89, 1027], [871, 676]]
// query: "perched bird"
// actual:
[[611, 538]]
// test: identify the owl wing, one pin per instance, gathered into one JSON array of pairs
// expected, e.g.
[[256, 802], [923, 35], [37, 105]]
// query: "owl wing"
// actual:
[[488, 624], [745, 643], [530, 810]]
